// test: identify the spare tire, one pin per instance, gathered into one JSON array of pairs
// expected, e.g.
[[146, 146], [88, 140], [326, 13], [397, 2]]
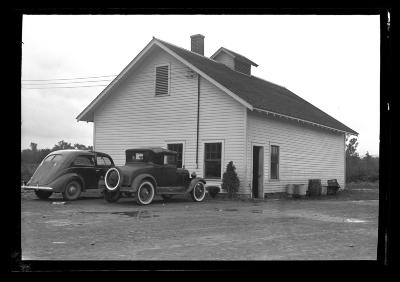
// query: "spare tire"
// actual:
[[113, 179]]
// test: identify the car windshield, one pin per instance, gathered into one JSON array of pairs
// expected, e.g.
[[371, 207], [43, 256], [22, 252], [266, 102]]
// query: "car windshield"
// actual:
[[136, 156]]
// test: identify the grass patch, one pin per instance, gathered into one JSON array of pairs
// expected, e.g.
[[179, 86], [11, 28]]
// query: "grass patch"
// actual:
[[362, 185], [361, 191]]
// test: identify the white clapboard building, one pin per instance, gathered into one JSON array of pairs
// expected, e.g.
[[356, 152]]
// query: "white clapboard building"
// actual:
[[212, 111]]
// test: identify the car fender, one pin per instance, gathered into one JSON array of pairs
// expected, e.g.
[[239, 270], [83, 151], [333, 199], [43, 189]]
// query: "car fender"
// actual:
[[59, 184], [193, 183], [138, 179]]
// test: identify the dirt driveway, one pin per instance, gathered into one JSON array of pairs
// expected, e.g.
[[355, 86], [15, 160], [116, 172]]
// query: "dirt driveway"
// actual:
[[339, 228]]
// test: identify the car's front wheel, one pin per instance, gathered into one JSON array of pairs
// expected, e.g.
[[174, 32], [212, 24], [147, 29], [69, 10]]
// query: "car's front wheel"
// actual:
[[145, 193], [43, 195], [198, 192], [112, 196], [72, 191]]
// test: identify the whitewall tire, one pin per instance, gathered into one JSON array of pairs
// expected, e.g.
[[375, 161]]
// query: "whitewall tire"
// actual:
[[112, 179], [145, 193], [199, 192]]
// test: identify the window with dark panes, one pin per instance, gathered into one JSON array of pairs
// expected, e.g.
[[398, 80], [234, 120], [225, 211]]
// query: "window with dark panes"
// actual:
[[274, 162], [84, 161], [212, 160], [178, 147]]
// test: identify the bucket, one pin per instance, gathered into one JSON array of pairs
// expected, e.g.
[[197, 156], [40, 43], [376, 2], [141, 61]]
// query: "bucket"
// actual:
[[300, 190], [290, 190]]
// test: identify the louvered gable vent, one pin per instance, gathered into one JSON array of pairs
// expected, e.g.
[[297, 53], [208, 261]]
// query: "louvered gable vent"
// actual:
[[162, 84]]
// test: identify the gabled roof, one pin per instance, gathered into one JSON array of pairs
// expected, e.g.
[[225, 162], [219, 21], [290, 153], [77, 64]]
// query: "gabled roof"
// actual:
[[253, 92], [234, 55], [259, 93]]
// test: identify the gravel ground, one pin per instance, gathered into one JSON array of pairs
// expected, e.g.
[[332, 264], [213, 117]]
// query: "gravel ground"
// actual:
[[341, 227]]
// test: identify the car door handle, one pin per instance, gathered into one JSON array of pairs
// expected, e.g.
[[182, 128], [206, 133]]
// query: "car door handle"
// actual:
[[98, 169]]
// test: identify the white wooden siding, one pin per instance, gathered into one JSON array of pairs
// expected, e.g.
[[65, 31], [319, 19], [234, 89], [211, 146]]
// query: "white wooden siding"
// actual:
[[304, 152], [133, 116], [226, 59], [222, 118]]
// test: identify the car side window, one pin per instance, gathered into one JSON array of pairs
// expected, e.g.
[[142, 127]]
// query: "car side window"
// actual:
[[48, 159], [169, 159], [100, 161], [84, 161], [103, 161], [107, 161]]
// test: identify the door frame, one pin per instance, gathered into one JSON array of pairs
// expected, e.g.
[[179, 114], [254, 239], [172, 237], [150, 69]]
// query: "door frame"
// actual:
[[262, 162]]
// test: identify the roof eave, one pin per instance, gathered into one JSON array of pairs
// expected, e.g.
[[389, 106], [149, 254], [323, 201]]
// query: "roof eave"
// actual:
[[352, 132]]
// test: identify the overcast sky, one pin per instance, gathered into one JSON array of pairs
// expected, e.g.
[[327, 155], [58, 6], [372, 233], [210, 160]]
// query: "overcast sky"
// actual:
[[332, 62]]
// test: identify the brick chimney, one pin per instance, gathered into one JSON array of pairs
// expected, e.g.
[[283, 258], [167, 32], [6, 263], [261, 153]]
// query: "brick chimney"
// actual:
[[197, 45]]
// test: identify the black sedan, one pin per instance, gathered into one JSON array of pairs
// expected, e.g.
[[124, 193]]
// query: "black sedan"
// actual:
[[69, 172]]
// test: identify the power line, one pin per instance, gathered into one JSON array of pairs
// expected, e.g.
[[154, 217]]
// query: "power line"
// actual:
[[65, 87], [72, 82], [68, 78]]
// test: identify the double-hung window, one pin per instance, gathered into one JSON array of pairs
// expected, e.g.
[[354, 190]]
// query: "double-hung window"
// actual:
[[212, 160], [177, 147], [274, 162]]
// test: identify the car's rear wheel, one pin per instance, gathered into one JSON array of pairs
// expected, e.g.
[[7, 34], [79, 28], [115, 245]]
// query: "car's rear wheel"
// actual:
[[43, 195], [112, 179], [198, 192], [145, 193], [166, 197], [112, 196], [72, 191]]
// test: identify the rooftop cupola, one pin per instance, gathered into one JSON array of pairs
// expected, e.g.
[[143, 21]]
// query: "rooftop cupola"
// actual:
[[233, 60]]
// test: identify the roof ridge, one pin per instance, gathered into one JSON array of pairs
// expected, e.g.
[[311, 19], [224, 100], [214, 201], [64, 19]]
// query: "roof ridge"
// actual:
[[204, 57]]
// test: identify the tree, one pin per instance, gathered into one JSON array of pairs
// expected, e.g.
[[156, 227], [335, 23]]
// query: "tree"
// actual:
[[230, 180], [33, 147], [80, 146], [351, 147], [360, 169], [62, 145]]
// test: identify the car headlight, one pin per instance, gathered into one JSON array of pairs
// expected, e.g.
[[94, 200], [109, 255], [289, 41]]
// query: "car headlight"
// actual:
[[193, 175]]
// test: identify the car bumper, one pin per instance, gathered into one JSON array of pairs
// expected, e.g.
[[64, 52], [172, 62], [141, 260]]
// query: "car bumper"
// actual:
[[28, 187]]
